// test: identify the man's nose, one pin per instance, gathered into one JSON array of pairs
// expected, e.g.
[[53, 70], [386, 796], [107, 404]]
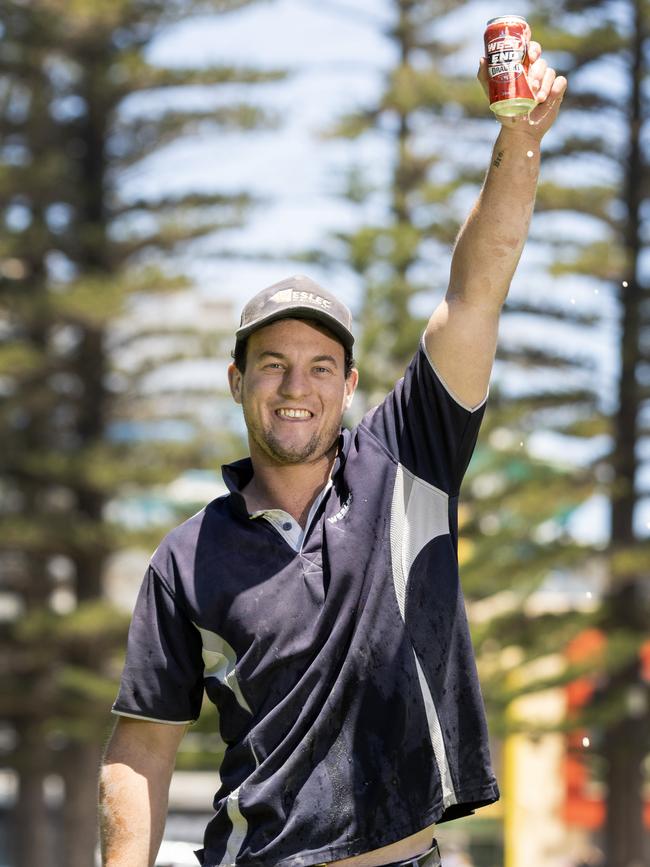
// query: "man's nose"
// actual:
[[295, 383]]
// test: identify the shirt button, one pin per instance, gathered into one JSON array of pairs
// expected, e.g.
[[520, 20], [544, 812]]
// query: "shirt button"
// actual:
[[286, 526]]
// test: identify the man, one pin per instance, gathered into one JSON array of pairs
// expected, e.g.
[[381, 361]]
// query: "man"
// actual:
[[318, 603]]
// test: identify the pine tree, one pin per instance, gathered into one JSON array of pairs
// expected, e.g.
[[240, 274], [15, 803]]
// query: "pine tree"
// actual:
[[614, 39], [79, 255]]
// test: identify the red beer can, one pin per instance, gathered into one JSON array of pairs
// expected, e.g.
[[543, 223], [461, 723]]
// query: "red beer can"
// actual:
[[506, 49]]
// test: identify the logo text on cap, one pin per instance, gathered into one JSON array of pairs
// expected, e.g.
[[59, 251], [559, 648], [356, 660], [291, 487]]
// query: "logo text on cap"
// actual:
[[299, 297], [310, 298]]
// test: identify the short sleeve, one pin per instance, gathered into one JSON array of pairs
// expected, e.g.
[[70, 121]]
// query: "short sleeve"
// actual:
[[162, 679], [425, 427]]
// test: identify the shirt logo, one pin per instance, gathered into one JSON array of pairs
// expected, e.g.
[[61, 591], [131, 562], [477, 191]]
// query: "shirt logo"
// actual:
[[342, 512]]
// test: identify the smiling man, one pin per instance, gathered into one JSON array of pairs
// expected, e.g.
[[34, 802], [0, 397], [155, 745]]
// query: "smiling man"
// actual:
[[318, 604]]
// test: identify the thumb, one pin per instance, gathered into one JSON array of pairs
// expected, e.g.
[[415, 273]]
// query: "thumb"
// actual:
[[482, 74]]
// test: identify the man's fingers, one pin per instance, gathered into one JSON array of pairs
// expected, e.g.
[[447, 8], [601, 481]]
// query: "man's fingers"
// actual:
[[545, 85], [559, 87], [534, 51], [546, 111], [536, 75], [556, 93]]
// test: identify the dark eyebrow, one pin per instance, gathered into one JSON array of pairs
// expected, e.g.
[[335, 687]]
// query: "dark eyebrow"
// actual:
[[269, 353], [272, 354]]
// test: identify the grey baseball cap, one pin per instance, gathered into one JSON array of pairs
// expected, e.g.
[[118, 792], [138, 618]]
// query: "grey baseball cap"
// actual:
[[297, 297]]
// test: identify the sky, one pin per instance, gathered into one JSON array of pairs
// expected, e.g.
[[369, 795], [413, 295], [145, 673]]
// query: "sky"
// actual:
[[335, 62], [335, 53]]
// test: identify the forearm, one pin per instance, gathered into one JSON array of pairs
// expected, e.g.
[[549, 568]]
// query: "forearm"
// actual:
[[490, 243], [134, 790], [132, 811]]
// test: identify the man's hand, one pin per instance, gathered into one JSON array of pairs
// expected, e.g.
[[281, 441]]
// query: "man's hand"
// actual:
[[548, 89]]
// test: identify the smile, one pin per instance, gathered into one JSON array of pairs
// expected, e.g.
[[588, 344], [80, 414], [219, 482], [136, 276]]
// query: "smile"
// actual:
[[284, 412]]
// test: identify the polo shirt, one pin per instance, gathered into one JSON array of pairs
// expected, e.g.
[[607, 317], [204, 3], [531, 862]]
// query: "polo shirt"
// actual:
[[338, 657]]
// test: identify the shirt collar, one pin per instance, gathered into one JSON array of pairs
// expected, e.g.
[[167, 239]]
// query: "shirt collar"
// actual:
[[237, 474]]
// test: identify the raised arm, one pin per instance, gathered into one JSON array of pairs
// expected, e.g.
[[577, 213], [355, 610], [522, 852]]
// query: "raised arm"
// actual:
[[133, 791], [462, 333]]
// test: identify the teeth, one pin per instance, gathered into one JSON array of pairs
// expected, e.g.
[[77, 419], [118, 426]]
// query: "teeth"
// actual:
[[294, 413]]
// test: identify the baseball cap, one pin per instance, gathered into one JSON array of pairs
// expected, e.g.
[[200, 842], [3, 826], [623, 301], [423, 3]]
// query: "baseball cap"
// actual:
[[297, 297]]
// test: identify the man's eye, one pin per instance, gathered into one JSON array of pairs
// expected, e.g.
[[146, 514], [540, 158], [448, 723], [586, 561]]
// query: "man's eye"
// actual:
[[322, 370]]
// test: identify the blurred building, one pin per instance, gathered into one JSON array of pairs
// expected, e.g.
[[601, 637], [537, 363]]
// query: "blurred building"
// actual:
[[554, 797]]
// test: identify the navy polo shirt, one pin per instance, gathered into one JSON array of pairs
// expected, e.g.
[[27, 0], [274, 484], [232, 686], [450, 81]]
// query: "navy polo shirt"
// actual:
[[339, 658]]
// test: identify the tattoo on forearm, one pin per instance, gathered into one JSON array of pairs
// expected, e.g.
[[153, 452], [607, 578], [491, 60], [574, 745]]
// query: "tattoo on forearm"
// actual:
[[498, 159]]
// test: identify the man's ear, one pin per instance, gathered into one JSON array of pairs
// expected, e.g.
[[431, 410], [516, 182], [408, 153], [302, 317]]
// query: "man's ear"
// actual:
[[350, 387], [235, 382]]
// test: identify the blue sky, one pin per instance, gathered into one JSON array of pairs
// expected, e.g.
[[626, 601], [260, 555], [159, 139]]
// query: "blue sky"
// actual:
[[335, 53]]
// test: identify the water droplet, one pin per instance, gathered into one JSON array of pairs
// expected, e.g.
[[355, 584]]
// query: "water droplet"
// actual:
[[586, 742], [530, 154]]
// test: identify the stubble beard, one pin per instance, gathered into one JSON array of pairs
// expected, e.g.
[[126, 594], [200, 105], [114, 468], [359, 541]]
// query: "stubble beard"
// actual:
[[273, 447]]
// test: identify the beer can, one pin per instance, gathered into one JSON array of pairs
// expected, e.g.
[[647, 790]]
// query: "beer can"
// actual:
[[506, 50]]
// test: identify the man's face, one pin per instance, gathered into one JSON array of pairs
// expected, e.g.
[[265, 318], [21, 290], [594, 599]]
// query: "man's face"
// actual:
[[293, 392]]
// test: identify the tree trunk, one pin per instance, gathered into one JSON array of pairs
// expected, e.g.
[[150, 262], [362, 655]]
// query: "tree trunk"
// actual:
[[31, 836], [626, 740], [624, 831], [81, 764]]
